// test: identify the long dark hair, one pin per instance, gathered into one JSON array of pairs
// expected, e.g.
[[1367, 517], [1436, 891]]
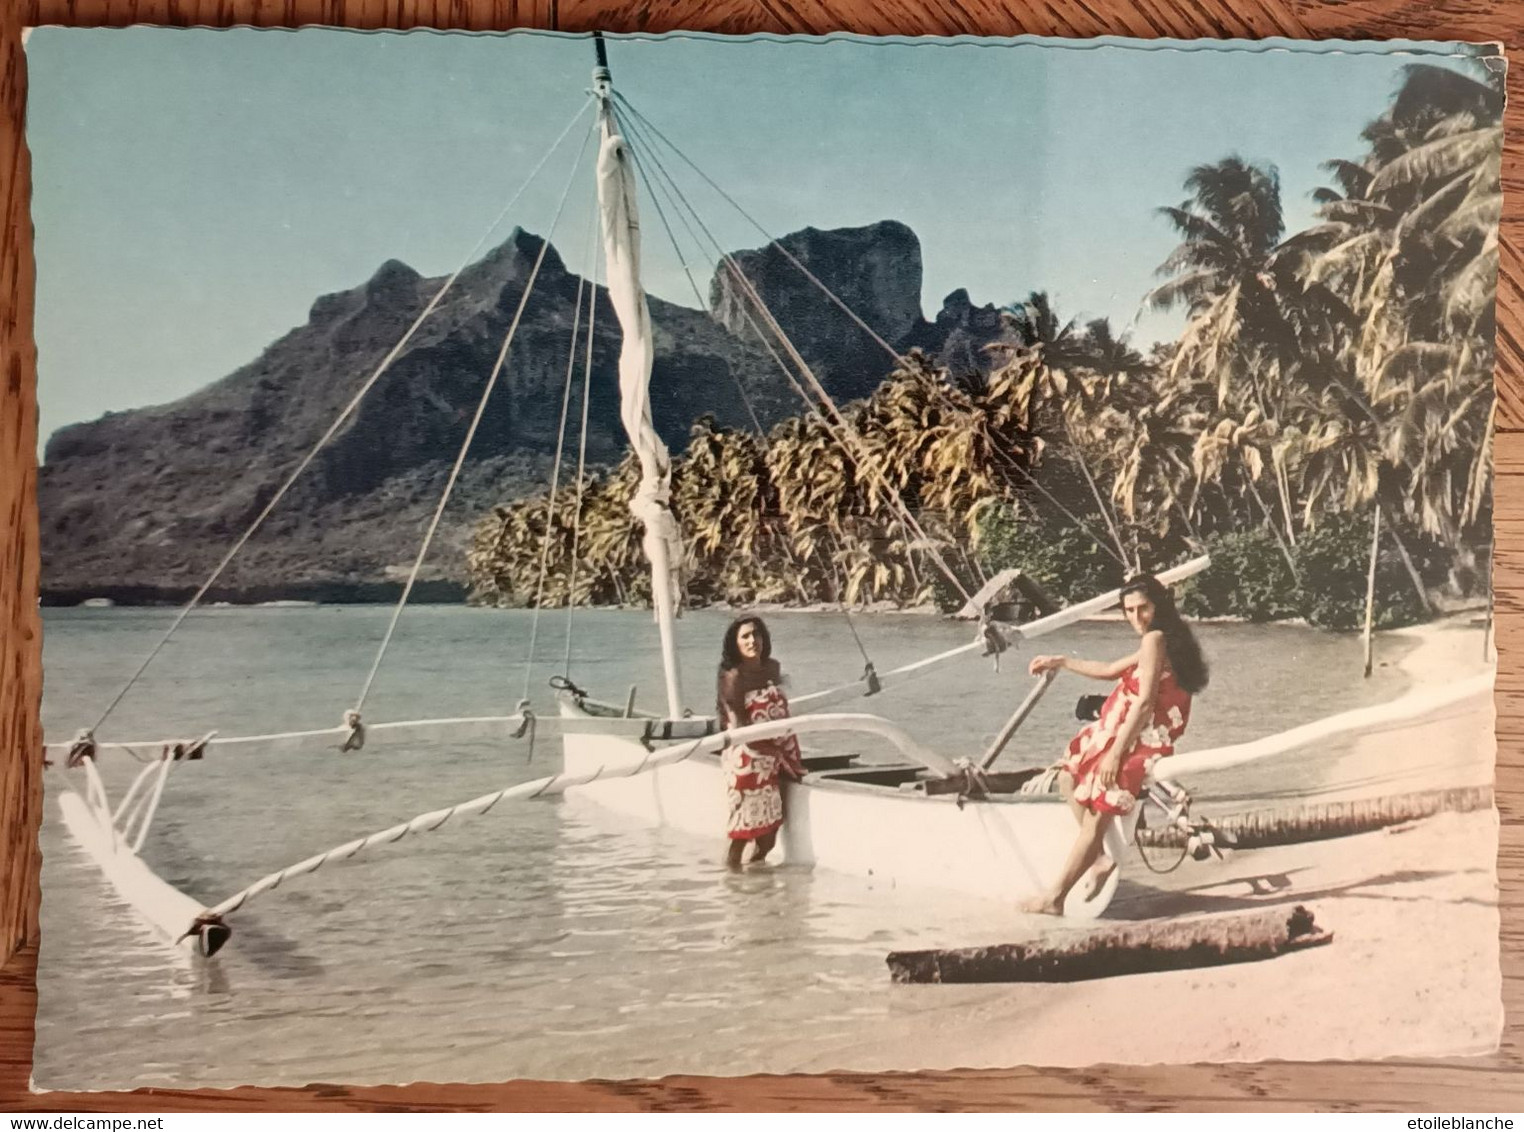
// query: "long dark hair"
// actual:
[[1185, 659], [730, 651]]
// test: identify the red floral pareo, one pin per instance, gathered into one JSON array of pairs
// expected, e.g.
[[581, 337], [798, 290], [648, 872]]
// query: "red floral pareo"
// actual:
[[1156, 740], [752, 769]]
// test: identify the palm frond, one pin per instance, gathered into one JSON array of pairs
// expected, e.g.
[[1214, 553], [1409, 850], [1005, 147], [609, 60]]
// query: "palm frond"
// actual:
[[1437, 160]]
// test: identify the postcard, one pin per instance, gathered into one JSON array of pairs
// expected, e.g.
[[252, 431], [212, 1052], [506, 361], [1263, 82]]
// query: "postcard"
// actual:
[[602, 556]]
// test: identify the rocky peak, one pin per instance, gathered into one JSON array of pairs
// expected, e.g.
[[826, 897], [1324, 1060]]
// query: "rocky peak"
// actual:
[[139, 505], [875, 270], [964, 330]]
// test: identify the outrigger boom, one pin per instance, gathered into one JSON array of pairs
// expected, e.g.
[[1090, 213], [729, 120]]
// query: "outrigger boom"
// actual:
[[113, 837], [91, 821]]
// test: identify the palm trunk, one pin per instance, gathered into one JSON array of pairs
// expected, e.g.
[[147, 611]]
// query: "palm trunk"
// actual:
[[1274, 531], [1284, 488], [794, 563], [1370, 594], [1111, 527], [838, 583], [1190, 527], [1407, 561], [915, 575], [972, 565]]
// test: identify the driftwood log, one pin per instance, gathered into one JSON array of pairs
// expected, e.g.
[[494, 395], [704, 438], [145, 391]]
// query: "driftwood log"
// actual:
[[1288, 826], [1125, 949]]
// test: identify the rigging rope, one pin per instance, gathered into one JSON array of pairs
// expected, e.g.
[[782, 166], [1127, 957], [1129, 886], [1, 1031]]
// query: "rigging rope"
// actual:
[[587, 383], [844, 433], [481, 407], [841, 429], [671, 188], [354, 402], [698, 296], [899, 358], [771, 239], [558, 783], [1068, 514], [555, 472], [427, 823]]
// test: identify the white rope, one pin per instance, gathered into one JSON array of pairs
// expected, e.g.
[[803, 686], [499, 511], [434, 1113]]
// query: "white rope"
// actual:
[[845, 434], [899, 358], [481, 408], [1030, 631], [893, 676], [132, 792], [151, 806], [429, 822], [97, 801], [841, 429], [675, 195], [771, 239], [587, 385], [338, 422], [555, 472], [559, 783]]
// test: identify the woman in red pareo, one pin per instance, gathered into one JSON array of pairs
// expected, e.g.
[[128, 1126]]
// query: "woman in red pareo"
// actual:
[[750, 691], [1146, 712]]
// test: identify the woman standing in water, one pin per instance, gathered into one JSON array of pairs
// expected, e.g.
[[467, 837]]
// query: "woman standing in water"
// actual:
[[750, 691], [1145, 714]]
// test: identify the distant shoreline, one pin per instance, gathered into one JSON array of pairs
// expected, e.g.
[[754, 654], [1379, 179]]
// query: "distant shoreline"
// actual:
[[444, 594], [433, 592]]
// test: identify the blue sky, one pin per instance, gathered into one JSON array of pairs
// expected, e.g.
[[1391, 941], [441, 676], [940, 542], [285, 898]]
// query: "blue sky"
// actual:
[[195, 190]]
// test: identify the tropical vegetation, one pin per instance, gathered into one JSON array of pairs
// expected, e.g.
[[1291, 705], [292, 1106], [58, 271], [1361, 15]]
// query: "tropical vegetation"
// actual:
[[1322, 376]]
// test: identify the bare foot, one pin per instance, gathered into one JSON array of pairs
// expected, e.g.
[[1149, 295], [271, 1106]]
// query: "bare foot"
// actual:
[[1099, 874], [1044, 905]]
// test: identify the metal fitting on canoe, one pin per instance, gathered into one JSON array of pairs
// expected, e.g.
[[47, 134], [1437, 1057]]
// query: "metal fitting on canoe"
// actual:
[[356, 737], [994, 640], [81, 749]]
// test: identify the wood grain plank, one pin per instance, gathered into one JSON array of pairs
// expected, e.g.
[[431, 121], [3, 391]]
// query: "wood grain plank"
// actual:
[[1495, 1082], [20, 626]]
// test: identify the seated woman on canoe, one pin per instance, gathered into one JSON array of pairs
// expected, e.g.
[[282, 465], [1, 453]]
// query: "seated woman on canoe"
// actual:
[[1103, 769], [750, 691]]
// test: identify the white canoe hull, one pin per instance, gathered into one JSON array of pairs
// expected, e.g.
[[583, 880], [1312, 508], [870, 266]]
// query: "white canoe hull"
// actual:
[[1008, 849]]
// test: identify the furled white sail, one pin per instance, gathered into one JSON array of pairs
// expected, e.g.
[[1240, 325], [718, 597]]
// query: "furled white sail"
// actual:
[[651, 505]]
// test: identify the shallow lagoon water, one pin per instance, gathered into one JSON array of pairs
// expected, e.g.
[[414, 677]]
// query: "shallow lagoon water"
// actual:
[[543, 940]]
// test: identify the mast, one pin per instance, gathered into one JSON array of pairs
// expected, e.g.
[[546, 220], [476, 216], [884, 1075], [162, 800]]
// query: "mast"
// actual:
[[620, 227]]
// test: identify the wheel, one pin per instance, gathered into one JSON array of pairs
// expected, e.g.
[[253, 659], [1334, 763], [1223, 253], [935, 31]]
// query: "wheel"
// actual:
[[1162, 834], [1078, 909]]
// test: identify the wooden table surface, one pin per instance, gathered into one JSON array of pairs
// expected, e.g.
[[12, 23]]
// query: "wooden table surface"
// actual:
[[1493, 1083]]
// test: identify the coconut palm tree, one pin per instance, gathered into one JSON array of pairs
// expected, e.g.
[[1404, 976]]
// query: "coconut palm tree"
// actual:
[[1056, 376], [1242, 332], [1409, 241]]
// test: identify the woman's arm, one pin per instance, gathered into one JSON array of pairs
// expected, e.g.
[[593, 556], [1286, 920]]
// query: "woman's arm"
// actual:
[[1150, 666], [1095, 669], [732, 702]]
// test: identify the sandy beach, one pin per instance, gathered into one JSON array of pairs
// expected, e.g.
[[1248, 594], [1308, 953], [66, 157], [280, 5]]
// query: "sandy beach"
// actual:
[[1413, 969]]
